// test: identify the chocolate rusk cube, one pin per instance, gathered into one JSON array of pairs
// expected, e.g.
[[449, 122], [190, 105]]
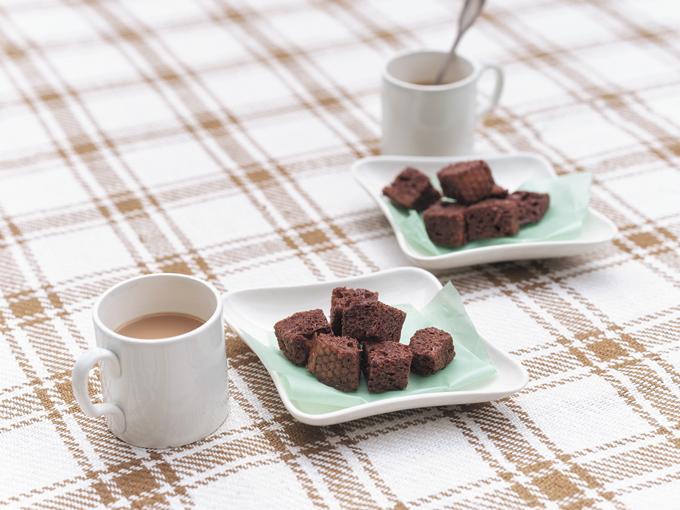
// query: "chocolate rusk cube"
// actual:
[[498, 192], [445, 223], [335, 361], [432, 350], [294, 334], [532, 206], [412, 189], [369, 320], [386, 365], [492, 218], [468, 182], [341, 297]]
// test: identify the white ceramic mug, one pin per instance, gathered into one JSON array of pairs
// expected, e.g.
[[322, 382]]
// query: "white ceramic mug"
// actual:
[[432, 120], [157, 393]]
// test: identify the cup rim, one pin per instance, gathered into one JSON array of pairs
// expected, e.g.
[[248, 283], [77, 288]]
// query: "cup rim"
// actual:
[[444, 86], [216, 315]]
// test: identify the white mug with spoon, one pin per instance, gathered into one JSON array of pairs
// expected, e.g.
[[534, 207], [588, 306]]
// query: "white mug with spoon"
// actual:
[[429, 98], [422, 119]]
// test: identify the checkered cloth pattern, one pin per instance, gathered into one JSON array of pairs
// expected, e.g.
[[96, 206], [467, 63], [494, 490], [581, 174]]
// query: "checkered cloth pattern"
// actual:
[[215, 137]]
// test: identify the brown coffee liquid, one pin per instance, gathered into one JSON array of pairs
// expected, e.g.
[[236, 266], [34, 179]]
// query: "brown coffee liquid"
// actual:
[[430, 83], [162, 325]]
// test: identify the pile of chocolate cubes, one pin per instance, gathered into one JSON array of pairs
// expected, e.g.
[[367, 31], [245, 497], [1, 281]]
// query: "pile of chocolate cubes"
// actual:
[[480, 209], [362, 336]]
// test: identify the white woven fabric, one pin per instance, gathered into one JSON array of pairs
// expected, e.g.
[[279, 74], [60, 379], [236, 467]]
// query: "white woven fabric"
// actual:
[[215, 137]]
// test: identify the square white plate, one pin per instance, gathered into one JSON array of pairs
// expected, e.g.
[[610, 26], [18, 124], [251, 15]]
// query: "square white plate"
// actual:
[[255, 311], [509, 171]]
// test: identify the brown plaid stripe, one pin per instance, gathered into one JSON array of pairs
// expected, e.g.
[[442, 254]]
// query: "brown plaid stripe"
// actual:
[[214, 138]]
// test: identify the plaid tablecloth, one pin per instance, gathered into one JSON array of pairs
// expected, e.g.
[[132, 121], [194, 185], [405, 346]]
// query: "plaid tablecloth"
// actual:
[[215, 137]]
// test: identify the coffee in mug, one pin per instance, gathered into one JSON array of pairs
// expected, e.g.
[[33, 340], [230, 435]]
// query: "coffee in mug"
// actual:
[[160, 325]]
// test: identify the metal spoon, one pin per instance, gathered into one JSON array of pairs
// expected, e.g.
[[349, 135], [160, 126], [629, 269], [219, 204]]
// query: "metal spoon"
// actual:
[[471, 10]]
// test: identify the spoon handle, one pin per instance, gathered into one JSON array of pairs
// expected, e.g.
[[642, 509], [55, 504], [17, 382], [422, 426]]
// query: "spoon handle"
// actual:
[[471, 10], [447, 61]]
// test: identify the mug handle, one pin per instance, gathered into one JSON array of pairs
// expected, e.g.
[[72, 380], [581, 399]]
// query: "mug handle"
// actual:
[[496, 95], [81, 373]]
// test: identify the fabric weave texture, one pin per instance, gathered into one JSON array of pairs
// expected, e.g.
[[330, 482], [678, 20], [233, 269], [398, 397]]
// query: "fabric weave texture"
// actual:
[[215, 138]]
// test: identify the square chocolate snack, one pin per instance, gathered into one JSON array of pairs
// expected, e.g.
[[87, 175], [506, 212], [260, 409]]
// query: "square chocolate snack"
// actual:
[[341, 297], [498, 192], [386, 366], [445, 223], [369, 320], [412, 189], [432, 350], [335, 361], [467, 182], [532, 206], [294, 334], [492, 218]]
